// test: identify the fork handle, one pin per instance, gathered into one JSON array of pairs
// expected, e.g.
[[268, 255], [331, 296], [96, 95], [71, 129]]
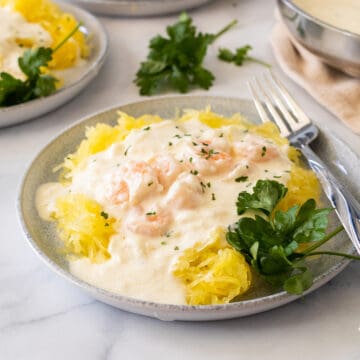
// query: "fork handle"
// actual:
[[346, 206]]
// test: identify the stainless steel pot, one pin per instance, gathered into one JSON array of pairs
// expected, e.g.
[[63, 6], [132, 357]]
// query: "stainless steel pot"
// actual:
[[338, 48]]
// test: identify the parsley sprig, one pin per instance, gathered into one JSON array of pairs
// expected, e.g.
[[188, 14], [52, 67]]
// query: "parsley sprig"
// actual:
[[37, 84], [271, 240], [175, 61], [239, 56]]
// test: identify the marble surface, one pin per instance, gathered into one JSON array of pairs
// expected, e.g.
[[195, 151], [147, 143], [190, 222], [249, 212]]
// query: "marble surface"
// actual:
[[43, 317]]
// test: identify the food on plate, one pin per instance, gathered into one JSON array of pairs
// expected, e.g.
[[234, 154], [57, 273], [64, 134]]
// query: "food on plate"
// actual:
[[143, 207], [37, 40], [343, 14]]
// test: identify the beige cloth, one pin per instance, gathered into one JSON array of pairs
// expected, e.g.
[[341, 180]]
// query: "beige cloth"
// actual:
[[336, 91]]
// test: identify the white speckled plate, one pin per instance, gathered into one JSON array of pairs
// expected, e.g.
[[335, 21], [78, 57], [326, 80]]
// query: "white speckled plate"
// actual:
[[137, 7], [43, 239], [74, 79]]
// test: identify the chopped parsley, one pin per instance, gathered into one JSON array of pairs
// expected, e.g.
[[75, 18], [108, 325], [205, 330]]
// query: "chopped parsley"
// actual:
[[241, 178], [194, 172], [263, 151], [104, 215], [150, 213]]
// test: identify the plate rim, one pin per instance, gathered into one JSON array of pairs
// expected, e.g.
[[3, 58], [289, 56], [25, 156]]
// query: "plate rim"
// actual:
[[127, 8], [281, 296], [97, 63]]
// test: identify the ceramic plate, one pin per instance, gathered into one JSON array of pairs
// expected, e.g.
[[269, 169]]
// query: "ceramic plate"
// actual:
[[42, 236], [75, 79], [137, 7]]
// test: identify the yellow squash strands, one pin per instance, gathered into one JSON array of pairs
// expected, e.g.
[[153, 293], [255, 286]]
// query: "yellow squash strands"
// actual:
[[83, 227], [58, 24], [213, 273]]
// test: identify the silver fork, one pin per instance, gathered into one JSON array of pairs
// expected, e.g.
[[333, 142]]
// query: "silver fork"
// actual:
[[270, 96]]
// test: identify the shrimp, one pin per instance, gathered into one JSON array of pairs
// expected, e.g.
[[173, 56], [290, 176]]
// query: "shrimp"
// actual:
[[167, 169], [185, 193], [133, 182], [152, 223], [209, 160], [255, 149], [120, 194]]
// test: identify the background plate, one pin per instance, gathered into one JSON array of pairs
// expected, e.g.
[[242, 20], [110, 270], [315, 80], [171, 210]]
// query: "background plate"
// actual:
[[75, 79], [44, 241], [137, 7]]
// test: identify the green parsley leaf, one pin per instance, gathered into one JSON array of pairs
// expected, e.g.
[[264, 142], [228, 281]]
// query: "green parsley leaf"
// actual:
[[37, 84], [175, 62], [270, 242], [239, 56], [266, 194], [32, 60]]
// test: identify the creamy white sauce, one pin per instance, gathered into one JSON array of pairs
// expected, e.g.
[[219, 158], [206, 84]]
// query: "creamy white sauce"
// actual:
[[343, 14], [197, 195], [14, 31]]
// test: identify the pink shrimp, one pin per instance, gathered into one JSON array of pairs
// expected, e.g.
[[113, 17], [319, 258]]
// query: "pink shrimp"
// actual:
[[185, 193], [167, 169], [133, 182], [152, 223], [120, 194], [209, 160], [255, 149]]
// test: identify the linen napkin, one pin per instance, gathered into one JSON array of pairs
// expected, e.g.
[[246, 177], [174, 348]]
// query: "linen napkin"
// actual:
[[336, 91]]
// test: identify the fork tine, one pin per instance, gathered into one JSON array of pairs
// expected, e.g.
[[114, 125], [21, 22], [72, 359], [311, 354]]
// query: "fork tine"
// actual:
[[273, 93], [294, 107], [275, 116], [257, 102]]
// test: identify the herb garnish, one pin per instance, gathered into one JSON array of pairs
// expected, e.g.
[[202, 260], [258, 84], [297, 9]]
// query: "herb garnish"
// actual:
[[104, 215], [176, 61], [263, 151], [239, 56], [15, 91], [241, 178], [270, 241]]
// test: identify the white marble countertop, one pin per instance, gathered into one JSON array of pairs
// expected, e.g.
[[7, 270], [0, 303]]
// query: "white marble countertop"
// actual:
[[43, 317]]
